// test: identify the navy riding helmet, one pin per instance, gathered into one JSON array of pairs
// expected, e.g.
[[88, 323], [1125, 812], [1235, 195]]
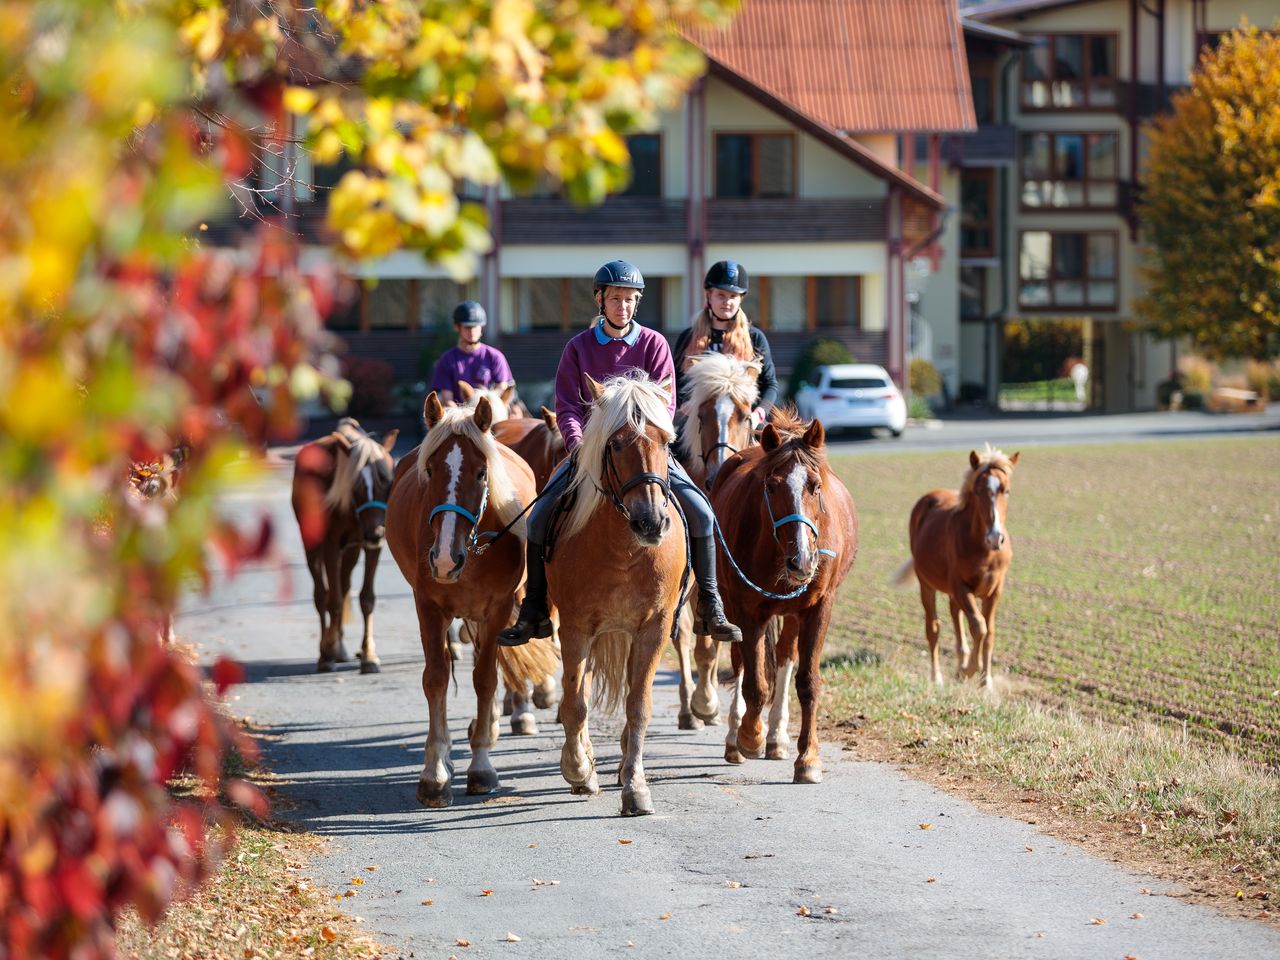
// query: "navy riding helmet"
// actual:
[[727, 275], [469, 314], [618, 273]]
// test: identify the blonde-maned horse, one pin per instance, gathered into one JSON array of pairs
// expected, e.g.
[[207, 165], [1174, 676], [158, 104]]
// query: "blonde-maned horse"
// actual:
[[960, 546], [457, 487], [723, 391], [615, 571], [499, 400]]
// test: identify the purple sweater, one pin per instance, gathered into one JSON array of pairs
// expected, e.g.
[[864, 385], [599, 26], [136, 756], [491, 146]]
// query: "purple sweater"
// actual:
[[642, 349], [484, 367]]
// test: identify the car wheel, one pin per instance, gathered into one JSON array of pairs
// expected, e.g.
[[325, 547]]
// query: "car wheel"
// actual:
[[895, 433]]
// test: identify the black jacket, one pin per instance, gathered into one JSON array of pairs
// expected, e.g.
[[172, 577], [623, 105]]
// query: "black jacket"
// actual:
[[768, 381]]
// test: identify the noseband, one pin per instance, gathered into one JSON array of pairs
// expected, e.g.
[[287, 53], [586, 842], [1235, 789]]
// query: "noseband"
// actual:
[[473, 538], [613, 479], [369, 505], [797, 518]]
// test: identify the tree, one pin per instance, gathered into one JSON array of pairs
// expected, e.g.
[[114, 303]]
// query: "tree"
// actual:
[[124, 126], [1210, 204]]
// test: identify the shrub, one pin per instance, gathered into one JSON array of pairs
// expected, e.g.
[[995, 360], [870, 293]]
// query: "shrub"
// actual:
[[1197, 373], [923, 377], [371, 382], [918, 408], [819, 352], [1192, 400], [1264, 378]]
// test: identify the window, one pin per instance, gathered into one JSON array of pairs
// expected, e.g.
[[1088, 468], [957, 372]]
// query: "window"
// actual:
[[755, 165], [973, 294], [1070, 170], [982, 81], [568, 304], [792, 304], [834, 302], [1059, 271], [977, 213], [1070, 72], [646, 165]]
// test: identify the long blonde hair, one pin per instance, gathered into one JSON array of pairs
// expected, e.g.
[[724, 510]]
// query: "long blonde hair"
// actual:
[[736, 343]]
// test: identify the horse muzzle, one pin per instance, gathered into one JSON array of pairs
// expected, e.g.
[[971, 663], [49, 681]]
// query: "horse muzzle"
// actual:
[[446, 569], [650, 528], [995, 539], [800, 570]]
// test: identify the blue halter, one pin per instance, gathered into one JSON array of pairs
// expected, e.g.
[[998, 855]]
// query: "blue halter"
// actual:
[[473, 538], [798, 518], [370, 505]]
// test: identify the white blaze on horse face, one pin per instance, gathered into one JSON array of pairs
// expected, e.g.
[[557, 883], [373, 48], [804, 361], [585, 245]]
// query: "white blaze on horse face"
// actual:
[[795, 483], [724, 412], [367, 473], [995, 535], [443, 553]]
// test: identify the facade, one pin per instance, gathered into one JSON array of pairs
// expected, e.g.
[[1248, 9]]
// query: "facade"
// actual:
[[1049, 181]]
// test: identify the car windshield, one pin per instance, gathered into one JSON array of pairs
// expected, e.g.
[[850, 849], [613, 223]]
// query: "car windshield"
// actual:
[[857, 383]]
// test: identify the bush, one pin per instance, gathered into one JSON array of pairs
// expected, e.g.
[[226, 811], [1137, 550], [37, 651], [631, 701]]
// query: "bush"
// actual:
[[370, 386], [1035, 349], [923, 377], [1197, 373], [918, 408], [1192, 400], [1264, 379], [819, 353]]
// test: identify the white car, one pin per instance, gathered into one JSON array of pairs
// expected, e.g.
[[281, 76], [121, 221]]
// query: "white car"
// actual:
[[853, 395]]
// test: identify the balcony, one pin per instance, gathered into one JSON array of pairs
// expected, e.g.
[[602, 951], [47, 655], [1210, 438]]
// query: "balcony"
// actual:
[[795, 219], [993, 145], [553, 220]]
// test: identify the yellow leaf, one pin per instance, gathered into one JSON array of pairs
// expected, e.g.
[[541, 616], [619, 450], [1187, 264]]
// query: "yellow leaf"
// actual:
[[620, 840], [804, 911], [462, 942], [486, 893], [357, 880], [329, 934], [926, 826], [427, 903], [1098, 922], [299, 100], [733, 884], [665, 916]]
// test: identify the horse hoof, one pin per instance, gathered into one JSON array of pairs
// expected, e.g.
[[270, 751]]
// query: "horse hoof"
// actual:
[[588, 789], [689, 722], [710, 719], [525, 725], [775, 751], [370, 666], [732, 755], [807, 773], [324, 666], [752, 754], [545, 699], [637, 802], [481, 781], [435, 795]]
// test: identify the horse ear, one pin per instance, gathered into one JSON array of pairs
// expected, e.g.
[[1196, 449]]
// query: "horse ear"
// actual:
[[594, 385], [666, 384], [465, 390], [389, 441], [484, 414], [549, 418], [1013, 461], [433, 409], [334, 439], [509, 394], [770, 439], [973, 460], [816, 435]]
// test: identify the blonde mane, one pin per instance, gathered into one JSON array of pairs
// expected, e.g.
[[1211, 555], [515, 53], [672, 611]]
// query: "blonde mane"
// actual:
[[628, 400], [500, 410], [716, 375], [365, 451], [988, 458], [460, 422]]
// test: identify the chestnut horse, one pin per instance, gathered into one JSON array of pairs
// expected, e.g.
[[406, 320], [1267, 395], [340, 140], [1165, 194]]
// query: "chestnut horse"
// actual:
[[790, 528], [959, 546], [499, 400], [340, 487], [615, 570], [717, 424], [452, 494]]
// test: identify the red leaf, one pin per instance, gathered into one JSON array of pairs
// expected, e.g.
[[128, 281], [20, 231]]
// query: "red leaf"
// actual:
[[246, 795], [225, 673]]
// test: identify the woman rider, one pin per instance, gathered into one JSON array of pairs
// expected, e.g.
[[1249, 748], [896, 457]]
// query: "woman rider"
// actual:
[[614, 344], [722, 327]]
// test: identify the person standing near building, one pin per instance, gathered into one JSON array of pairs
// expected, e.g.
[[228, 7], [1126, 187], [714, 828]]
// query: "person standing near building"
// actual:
[[471, 361], [721, 326]]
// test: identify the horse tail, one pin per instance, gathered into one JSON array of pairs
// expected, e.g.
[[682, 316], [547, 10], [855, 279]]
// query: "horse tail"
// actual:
[[608, 663], [528, 663], [772, 634], [904, 575]]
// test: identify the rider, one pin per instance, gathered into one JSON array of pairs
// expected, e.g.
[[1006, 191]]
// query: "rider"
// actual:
[[721, 326], [612, 345], [471, 361]]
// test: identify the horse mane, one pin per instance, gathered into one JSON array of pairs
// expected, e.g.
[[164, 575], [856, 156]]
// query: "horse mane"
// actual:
[[499, 407], [460, 422], [989, 458], [716, 375], [365, 451], [629, 399], [791, 427]]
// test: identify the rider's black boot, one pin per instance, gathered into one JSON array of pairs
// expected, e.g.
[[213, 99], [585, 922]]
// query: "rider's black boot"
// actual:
[[711, 619], [535, 617]]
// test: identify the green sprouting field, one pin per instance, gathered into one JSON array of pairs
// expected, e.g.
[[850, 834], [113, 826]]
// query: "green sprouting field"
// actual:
[[1145, 580]]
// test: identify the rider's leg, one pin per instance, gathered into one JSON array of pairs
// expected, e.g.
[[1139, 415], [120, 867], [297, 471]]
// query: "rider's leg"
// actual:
[[535, 617], [711, 618]]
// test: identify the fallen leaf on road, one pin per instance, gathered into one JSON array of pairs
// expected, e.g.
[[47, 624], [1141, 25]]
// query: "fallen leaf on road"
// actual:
[[1041, 935], [329, 934], [427, 903], [804, 911], [462, 943], [1028, 849], [831, 910], [630, 943], [357, 880], [374, 867], [926, 826], [532, 845], [1130, 956], [349, 893], [511, 938], [733, 884], [623, 841], [665, 916], [1135, 916], [1097, 922], [1144, 891], [486, 893], [932, 880]]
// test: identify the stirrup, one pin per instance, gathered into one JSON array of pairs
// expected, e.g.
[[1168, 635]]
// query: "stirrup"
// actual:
[[525, 629]]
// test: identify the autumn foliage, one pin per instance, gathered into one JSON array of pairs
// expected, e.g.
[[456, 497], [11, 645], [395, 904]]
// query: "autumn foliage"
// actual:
[[1211, 204]]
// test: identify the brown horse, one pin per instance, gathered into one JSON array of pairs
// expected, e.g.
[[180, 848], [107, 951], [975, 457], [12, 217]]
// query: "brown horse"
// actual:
[[790, 526], [452, 494], [959, 545], [615, 571], [340, 487], [499, 400], [717, 424]]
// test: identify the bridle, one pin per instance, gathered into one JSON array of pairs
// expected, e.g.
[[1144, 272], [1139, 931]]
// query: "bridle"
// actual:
[[473, 537], [796, 518], [616, 489]]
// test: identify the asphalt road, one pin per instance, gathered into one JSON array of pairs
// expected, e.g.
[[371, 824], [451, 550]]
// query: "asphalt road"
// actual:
[[725, 866]]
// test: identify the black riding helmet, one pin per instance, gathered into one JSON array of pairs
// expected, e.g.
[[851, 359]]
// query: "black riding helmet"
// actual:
[[469, 314], [727, 275], [618, 273]]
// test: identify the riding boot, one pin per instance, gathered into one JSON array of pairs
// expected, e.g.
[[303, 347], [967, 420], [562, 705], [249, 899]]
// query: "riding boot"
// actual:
[[535, 616], [711, 619]]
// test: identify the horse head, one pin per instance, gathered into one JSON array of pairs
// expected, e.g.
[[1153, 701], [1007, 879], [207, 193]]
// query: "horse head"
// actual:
[[987, 487], [454, 468], [795, 466], [631, 448], [722, 393], [500, 401], [362, 478]]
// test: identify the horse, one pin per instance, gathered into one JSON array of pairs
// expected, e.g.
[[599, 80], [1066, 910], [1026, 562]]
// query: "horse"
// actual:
[[340, 487], [959, 546], [452, 496], [499, 400], [784, 486], [717, 424], [616, 570]]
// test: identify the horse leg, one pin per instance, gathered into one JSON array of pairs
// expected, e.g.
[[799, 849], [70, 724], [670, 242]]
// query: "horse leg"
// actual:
[[577, 763], [989, 638], [320, 596], [546, 693], [932, 628], [706, 695], [350, 557], [331, 651], [962, 645], [685, 640], [968, 604], [813, 632], [437, 768], [369, 662], [642, 664], [483, 732], [755, 687], [779, 740], [523, 721]]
